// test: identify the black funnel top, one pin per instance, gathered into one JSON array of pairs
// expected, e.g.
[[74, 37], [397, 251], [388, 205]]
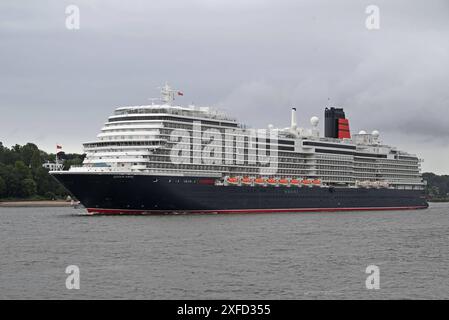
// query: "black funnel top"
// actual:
[[331, 116]]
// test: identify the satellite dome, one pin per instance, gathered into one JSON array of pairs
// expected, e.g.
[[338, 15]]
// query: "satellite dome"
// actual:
[[314, 121], [375, 133], [362, 132]]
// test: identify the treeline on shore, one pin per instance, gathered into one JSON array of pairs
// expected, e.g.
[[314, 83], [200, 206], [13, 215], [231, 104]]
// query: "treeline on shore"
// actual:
[[437, 188], [22, 175]]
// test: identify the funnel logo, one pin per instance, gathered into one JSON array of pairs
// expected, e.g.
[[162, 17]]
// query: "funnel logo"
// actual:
[[212, 149]]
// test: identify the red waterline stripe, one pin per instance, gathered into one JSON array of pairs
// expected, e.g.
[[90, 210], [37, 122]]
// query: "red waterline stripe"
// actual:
[[133, 211]]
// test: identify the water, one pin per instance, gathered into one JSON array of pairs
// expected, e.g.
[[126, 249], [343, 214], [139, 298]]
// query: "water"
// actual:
[[253, 256]]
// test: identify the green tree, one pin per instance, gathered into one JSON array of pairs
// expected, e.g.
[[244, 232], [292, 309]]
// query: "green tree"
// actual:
[[11, 179], [21, 170], [26, 153], [36, 160], [50, 195], [28, 187], [43, 182], [8, 156], [2, 187]]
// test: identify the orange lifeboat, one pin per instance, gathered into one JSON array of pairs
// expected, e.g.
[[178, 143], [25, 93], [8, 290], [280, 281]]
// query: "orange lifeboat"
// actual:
[[283, 182], [271, 181], [247, 180], [259, 181], [306, 181], [294, 182], [231, 180], [316, 181]]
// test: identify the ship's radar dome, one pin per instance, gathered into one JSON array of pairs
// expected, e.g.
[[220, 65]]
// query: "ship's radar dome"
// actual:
[[375, 133], [362, 132], [314, 121]]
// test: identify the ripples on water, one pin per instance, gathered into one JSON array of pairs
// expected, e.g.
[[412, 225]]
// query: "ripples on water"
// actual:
[[253, 256]]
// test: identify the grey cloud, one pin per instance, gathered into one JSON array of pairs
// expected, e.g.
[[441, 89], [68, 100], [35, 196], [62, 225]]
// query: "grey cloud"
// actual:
[[251, 58]]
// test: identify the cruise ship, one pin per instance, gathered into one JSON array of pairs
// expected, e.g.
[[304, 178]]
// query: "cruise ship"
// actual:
[[167, 158]]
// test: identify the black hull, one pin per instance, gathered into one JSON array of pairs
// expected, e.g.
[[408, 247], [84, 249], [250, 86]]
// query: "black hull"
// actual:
[[133, 194]]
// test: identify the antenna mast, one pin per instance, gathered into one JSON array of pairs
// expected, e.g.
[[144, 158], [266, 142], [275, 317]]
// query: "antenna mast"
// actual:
[[168, 94]]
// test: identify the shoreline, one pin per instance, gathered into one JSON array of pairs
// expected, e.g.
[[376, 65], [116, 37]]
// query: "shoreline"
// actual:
[[35, 203]]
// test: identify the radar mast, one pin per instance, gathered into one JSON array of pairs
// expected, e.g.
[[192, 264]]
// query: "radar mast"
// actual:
[[168, 94]]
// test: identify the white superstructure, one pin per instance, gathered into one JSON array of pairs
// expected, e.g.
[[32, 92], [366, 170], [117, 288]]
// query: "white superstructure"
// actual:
[[142, 139]]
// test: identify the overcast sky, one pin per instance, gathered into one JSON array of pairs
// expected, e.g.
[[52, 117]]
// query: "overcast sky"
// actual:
[[252, 58]]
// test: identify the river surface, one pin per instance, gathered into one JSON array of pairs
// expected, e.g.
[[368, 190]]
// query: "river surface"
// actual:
[[235, 256]]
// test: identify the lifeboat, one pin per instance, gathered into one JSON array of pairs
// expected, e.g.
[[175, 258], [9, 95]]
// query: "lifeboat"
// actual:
[[259, 181], [247, 180], [306, 182], [232, 180], [316, 181], [283, 182], [294, 182], [272, 181]]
